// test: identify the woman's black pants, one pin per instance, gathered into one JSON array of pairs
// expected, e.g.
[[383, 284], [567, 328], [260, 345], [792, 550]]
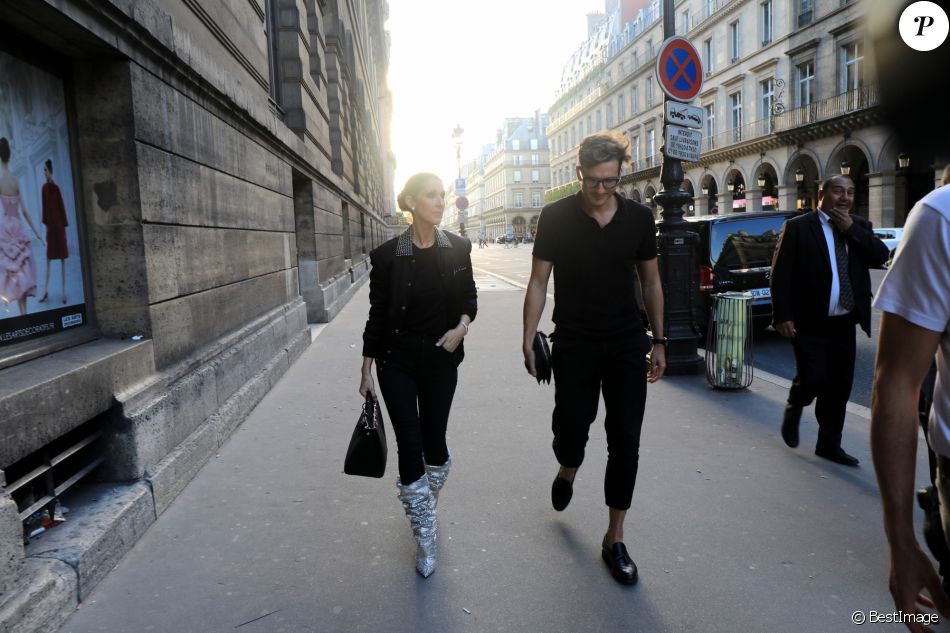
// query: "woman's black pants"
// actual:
[[417, 381]]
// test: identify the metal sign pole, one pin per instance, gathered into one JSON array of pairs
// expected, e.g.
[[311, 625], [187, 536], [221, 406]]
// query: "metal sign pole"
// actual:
[[676, 246]]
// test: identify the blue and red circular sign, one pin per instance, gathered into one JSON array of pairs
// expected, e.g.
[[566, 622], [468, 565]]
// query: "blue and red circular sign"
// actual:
[[678, 69]]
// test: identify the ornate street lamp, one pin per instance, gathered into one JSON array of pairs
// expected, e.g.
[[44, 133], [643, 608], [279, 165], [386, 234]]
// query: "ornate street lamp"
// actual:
[[845, 168], [903, 161], [800, 176], [760, 181], [705, 189], [730, 185]]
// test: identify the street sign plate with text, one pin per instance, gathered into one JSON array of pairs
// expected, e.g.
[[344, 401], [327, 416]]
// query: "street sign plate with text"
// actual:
[[685, 115], [683, 143]]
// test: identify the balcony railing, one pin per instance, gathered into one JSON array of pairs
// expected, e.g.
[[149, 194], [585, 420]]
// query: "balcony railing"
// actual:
[[593, 97], [824, 110]]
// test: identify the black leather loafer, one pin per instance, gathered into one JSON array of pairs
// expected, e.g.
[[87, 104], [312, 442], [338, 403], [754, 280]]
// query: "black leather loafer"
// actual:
[[561, 492], [622, 567], [838, 456], [790, 422]]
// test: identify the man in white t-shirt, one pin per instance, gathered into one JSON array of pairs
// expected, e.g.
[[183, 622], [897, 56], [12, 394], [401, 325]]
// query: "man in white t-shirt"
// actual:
[[914, 298]]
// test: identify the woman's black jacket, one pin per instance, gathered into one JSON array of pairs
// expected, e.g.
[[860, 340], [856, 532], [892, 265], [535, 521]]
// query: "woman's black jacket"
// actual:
[[389, 281]]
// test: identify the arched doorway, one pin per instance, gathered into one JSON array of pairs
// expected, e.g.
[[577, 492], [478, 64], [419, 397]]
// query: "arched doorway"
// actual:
[[735, 184], [851, 161], [691, 205], [534, 226], [635, 195], [518, 227], [803, 174], [710, 190], [766, 183], [648, 194]]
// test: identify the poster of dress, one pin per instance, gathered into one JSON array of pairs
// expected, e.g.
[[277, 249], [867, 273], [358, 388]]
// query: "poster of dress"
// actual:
[[41, 275]]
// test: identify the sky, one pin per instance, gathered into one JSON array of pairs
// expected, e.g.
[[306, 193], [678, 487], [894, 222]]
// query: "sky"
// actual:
[[473, 63]]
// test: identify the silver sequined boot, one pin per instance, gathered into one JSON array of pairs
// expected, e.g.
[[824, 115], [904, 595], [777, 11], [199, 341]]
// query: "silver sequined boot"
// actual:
[[419, 503], [437, 477]]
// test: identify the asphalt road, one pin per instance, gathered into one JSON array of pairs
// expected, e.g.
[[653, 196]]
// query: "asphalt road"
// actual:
[[771, 352]]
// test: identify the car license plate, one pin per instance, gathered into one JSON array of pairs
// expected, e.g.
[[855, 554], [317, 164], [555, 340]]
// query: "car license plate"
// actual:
[[761, 293]]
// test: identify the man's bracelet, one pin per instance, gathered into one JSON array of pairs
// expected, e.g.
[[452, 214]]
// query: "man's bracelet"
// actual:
[[465, 326], [661, 340]]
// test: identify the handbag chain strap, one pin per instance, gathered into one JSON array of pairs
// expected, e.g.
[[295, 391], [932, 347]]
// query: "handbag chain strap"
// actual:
[[369, 412]]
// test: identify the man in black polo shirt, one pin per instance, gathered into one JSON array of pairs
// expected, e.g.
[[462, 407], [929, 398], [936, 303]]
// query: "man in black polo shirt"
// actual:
[[597, 243]]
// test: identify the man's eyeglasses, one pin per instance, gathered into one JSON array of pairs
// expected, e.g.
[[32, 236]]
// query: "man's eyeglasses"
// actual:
[[608, 183]]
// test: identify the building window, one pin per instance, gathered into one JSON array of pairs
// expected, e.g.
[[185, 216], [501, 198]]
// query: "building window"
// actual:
[[735, 107], [590, 125], [535, 199], [621, 109], [635, 152], [650, 91], [634, 100], [710, 112], [36, 125], [517, 175], [515, 144], [535, 159], [853, 71], [519, 199], [535, 175], [573, 137], [708, 56], [766, 8], [610, 115], [805, 12], [805, 81], [651, 146], [735, 48], [517, 160], [767, 100], [534, 143], [649, 49], [685, 21], [708, 8], [600, 124]]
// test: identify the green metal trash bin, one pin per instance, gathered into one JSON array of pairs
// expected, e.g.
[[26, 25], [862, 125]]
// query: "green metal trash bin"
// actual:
[[729, 341]]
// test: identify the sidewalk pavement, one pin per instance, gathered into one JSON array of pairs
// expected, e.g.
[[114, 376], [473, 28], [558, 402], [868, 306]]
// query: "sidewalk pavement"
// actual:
[[732, 531]]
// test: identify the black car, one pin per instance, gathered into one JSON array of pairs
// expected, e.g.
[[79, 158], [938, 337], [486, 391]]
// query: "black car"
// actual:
[[735, 254]]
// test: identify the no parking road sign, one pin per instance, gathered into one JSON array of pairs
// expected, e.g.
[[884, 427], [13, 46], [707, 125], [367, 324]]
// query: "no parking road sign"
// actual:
[[678, 69]]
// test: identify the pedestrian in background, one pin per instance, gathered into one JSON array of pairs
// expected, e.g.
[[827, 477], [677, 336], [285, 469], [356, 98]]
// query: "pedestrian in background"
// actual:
[[821, 287], [914, 299], [422, 301], [597, 243]]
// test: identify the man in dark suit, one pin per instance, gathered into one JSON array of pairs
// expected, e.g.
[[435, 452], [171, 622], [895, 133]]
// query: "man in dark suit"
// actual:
[[820, 288]]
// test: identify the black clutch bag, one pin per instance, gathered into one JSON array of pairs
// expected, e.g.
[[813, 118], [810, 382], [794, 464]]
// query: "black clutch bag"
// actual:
[[366, 454], [542, 357]]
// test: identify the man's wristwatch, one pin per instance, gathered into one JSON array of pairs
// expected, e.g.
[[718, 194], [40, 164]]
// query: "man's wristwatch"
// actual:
[[660, 340]]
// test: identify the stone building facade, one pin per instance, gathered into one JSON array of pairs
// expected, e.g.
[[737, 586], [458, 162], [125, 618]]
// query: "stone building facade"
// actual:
[[505, 185], [225, 168], [788, 98]]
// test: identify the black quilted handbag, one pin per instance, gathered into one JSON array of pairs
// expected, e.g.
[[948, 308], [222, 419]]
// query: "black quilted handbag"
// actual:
[[366, 454]]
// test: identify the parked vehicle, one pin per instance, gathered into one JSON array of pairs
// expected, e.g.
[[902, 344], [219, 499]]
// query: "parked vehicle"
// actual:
[[891, 238], [735, 254]]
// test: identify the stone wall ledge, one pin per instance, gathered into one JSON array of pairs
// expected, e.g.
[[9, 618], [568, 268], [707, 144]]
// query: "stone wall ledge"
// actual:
[[44, 398]]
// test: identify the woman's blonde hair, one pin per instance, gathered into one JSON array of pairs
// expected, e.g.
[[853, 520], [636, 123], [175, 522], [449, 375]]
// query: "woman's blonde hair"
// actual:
[[413, 187]]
